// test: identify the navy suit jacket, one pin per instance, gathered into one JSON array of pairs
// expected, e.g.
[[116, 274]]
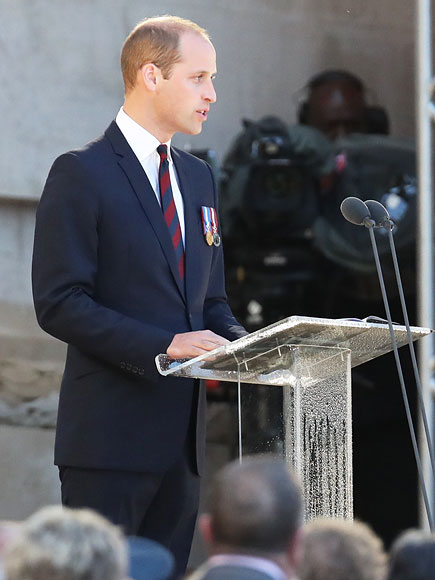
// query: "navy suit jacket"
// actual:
[[105, 281], [229, 572]]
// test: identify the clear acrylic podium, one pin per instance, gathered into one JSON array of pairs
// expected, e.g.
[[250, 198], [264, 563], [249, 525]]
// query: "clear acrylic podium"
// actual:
[[309, 361]]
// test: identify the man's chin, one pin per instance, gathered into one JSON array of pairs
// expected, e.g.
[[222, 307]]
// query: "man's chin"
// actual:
[[193, 130]]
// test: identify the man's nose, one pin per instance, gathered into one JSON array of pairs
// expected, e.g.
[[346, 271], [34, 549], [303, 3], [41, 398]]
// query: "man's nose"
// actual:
[[210, 93]]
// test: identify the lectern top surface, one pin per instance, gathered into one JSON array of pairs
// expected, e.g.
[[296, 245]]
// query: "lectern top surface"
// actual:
[[365, 340]]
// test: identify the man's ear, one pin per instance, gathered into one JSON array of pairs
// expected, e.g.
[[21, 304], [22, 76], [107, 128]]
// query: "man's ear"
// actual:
[[205, 525], [295, 549], [150, 75]]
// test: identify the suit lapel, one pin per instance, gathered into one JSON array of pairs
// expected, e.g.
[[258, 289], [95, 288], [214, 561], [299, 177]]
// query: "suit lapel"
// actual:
[[146, 196]]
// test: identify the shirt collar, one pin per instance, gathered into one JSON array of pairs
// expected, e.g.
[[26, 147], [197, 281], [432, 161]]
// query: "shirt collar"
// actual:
[[261, 564], [140, 140]]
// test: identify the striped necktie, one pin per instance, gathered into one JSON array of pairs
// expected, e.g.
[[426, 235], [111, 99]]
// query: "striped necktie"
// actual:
[[169, 209]]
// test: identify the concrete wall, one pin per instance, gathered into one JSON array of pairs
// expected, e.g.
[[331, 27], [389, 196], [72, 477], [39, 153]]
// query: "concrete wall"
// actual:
[[61, 85], [17, 222]]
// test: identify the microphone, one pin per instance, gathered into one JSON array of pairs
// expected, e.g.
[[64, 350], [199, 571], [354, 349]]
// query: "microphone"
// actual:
[[379, 214], [382, 218], [357, 212]]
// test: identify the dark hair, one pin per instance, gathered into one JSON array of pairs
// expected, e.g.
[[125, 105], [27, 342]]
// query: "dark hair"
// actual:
[[413, 556], [325, 78], [335, 76], [255, 505]]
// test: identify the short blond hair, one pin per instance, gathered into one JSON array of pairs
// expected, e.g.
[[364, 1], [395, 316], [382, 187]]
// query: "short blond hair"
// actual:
[[341, 550], [63, 544], [155, 40]]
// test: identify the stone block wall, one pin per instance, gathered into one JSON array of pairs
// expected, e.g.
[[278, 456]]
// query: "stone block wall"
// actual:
[[61, 86], [61, 83]]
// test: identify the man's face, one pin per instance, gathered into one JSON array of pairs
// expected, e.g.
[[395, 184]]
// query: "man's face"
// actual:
[[184, 99], [336, 109]]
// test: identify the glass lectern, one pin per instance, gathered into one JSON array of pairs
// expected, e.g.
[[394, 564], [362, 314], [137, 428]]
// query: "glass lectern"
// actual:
[[309, 360]]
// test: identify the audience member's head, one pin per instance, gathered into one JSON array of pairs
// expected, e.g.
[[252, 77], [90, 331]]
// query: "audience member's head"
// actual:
[[8, 532], [61, 544], [254, 509], [335, 104], [341, 550], [412, 556]]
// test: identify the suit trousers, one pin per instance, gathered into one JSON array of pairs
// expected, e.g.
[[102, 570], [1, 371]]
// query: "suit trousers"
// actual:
[[159, 506]]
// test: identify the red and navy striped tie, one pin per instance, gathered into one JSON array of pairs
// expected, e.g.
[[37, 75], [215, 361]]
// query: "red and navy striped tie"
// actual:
[[169, 209]]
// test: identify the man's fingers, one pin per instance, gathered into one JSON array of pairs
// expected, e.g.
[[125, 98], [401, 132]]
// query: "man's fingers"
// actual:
[[212, 343], [191, 344]]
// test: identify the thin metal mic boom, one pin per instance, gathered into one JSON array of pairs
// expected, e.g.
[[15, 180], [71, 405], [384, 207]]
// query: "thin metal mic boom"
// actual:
[[381, 216], [369, 224]]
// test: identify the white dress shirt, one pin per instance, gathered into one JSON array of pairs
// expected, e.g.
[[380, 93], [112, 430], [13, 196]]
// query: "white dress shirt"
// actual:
[[144, 146], [261, 564]]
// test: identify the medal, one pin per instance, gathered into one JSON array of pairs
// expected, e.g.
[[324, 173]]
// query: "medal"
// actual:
[[206, 225], [210, 226], [216, 236]]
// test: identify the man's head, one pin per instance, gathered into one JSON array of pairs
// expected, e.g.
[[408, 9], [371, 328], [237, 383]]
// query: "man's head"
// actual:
[[61, 544], [341, 550], [155, 40], [412, 556], [335, 104], [254, 508], [168, 65]]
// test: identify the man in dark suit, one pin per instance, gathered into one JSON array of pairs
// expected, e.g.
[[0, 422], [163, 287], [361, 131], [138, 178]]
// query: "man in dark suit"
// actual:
[[128, 264], [252, 527]]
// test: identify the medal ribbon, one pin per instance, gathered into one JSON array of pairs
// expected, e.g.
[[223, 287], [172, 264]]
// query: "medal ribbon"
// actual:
[[213, 219], [206, 219]]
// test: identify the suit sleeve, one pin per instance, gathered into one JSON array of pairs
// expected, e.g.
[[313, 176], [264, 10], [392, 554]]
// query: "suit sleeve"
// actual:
[[64, 274], [217, 312]]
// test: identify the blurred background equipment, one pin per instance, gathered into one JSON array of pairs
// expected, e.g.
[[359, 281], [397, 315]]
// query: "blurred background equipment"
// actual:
[[289, 251]]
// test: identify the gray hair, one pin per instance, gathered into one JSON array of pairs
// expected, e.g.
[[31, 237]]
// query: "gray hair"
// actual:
[[62, 544], [342, 550]]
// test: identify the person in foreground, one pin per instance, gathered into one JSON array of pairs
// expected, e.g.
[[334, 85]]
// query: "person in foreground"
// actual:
[[341, 550], [252, 528], [127, 264], [58, 543], [412, 556], [63, 544]]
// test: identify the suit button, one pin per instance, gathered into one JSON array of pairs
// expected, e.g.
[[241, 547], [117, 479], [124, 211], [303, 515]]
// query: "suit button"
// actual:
[[122, 365], [128, 367], [141, 372], [134, 370]]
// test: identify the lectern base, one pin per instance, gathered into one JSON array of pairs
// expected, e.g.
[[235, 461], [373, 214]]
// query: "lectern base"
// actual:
[[308, 422]]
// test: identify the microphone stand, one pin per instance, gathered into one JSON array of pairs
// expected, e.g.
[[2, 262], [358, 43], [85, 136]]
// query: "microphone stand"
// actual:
[[389, 228], [381, 216], [369, 224]]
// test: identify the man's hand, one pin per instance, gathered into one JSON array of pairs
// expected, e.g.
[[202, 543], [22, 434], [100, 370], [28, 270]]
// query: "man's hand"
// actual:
[[191, 344]]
